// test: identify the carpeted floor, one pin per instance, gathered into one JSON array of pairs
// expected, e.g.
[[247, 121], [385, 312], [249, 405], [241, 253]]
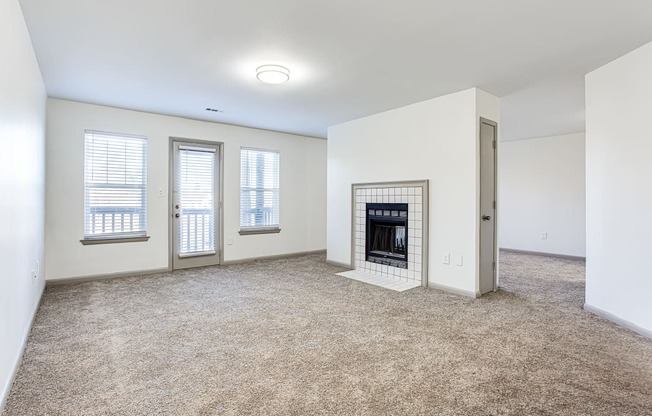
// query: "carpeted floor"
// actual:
[[289, 337]]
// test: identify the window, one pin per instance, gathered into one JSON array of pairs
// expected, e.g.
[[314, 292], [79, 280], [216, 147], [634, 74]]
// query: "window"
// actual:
[[259, 190], [115, 187]]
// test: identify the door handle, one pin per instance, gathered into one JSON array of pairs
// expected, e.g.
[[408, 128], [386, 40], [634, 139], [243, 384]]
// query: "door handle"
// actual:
[[486, 218]]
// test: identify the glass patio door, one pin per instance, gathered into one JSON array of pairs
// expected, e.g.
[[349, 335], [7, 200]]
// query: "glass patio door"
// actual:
[[195, 205]]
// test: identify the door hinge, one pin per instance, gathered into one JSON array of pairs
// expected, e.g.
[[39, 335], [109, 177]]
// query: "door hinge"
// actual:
[[493, 144], [494, 204], [494, 265]]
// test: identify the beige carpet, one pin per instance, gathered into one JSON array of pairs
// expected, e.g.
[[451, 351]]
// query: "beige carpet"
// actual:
[[289, 337]]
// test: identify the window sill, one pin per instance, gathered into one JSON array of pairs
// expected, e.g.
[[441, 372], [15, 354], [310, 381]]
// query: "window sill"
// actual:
[[252, 231], [93, 241]]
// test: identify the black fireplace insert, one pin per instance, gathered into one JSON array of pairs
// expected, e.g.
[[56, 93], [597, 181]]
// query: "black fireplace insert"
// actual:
[[387, 234]]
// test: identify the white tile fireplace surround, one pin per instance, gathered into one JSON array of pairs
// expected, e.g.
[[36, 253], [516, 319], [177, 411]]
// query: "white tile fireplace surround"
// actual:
[[415, 195]]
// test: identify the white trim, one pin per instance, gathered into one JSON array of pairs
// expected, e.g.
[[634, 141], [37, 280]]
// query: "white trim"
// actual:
[[338, 264], [12, 377], [454, 290], [618, 320]]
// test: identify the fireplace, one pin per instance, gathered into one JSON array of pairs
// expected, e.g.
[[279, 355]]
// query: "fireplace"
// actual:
[[387, 234], [403, 256]]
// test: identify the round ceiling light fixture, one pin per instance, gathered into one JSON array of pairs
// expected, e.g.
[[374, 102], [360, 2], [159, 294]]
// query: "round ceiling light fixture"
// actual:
[[272, 74]]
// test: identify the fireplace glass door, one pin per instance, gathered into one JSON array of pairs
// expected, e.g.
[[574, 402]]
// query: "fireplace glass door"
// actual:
[[387, 234]]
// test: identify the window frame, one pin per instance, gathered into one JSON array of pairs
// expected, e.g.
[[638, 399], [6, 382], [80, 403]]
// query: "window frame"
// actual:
[[124, 237], [264, 229]]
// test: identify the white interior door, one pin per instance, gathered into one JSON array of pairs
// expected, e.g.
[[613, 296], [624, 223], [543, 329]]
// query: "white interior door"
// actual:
[[195, 205], [488, 135]]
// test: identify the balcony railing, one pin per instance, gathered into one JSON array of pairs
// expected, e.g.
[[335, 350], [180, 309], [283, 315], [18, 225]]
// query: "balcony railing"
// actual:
[[257, 217], [115, 221], [196, 230]]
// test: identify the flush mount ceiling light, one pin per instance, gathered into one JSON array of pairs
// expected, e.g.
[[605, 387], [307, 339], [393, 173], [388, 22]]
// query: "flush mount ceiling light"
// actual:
[[272, 74]]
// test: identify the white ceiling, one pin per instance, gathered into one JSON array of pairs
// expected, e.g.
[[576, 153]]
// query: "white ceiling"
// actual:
[[348, 59]]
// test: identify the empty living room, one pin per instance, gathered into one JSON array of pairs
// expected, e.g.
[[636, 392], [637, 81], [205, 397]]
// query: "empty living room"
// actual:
[[325, 208]]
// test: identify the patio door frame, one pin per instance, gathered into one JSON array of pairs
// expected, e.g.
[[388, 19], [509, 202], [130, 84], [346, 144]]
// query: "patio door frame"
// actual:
[[219, 202]]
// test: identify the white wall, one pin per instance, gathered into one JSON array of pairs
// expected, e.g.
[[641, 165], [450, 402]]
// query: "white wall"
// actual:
[[435, 140], [542, 190], [303, 195], [22, 169], [619, 188]]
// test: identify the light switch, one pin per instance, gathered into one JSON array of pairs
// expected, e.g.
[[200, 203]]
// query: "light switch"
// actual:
[[459, 260]]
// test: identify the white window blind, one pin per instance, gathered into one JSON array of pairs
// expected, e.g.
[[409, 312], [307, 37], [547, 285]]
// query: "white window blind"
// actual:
[[259, 188], [115, 185], [196, 198]]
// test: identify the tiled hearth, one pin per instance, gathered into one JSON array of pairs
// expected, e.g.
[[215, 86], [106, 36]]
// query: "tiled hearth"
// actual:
[[415, 195]]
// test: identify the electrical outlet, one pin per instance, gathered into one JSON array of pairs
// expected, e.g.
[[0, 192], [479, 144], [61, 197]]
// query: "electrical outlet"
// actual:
[[446, 258], [161, 192], [544, 236]]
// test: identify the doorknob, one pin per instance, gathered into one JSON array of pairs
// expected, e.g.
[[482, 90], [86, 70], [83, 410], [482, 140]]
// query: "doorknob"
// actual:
[[486, 218], [177, 206], [177, 215]]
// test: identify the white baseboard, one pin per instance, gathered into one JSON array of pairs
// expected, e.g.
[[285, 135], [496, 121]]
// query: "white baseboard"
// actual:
[[618, 320], [338, 264], [454, 290], [7, 388]]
